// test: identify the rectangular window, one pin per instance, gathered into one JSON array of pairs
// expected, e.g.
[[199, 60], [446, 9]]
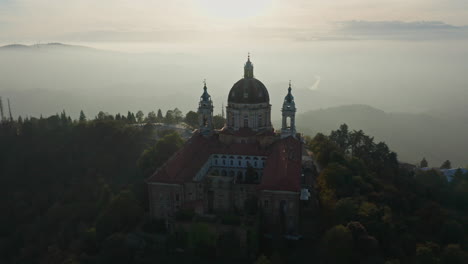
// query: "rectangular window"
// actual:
[[265, 204]]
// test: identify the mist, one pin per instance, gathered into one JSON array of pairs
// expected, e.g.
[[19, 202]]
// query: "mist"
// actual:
[[417, 78], [393, 76]]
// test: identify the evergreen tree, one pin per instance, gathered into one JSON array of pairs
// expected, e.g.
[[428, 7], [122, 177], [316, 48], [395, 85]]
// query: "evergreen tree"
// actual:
[[178, 117], [131, 118], [446, 165], [423, 163], [152, 118], [160, 116], [169, 119], [82, 116], [139, 116]]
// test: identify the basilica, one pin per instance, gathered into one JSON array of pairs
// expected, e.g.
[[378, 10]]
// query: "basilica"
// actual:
[[223, 171]]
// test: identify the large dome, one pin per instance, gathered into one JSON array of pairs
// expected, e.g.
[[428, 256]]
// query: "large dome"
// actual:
[[248, 91]]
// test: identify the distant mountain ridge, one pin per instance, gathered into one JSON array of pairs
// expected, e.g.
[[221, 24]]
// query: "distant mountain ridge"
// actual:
[[42, 46], [412, 136]]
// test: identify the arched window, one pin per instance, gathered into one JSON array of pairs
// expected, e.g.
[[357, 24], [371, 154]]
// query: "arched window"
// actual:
[[260, 121], [246, 121]]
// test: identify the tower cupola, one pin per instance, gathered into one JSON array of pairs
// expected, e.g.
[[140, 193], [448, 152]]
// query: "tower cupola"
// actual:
[[248, 68], [288, 127], [205, 112]]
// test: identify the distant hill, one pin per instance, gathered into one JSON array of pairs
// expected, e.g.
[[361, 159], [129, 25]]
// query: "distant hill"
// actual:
[[412, 136], [54, 45]]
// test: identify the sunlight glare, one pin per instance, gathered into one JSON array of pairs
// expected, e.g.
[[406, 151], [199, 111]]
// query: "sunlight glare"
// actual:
[[234, 9]]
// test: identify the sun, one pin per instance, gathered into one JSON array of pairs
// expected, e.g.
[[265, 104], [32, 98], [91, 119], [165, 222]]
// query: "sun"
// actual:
[[234, 9]]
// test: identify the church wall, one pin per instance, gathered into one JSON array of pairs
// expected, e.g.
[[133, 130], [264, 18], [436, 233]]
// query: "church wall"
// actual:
[[241, 192], [285, 219], [165, 199]]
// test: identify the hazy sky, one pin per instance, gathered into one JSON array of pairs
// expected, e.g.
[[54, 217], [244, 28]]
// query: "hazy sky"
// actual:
[[228, 22]]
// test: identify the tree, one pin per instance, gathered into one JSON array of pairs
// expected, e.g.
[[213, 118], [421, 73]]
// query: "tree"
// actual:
[[178, 117], [169, 118], [131, 118], [453, 254], [201, 240], [191, 118], [346, 210], [423, 163], [446, 165], [82, 116], [341, 137], [425, 253], [122, 215], [156, 155], [218, 122], [337, 245], [152, 117], [115, 250], [160, 116], [139, 116], [101, 115]]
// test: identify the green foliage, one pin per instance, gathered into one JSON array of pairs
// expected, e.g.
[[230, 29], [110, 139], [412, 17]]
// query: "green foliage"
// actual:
[[115, 250], [446, 165], [156, 155], [170, 117], [423, 163], [262, 259], [160, 116], [191, 119], [228, 245], [346, 210], [139, 116], [399, 208], [201, 240], [82, 116], [426, 253], [122, 215], [151, 118], [58, 179], [453, 254], [218, 122], [337, 245]]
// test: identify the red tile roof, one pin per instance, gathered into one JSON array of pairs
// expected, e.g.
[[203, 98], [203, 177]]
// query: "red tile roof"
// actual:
[[282, 170]]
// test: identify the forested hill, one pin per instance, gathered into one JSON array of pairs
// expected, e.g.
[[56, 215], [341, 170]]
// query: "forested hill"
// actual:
[[412, 136]]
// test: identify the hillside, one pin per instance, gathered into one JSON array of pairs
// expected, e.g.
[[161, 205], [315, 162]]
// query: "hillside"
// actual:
[[412, 136]]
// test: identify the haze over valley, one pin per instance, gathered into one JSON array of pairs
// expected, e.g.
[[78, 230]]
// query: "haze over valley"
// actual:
[[420, 86]]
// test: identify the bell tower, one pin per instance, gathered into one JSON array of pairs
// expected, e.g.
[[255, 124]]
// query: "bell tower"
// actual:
[[288, 127], [205, 112]]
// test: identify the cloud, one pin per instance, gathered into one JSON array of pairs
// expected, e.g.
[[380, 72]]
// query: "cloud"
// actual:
[[400, 30]]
